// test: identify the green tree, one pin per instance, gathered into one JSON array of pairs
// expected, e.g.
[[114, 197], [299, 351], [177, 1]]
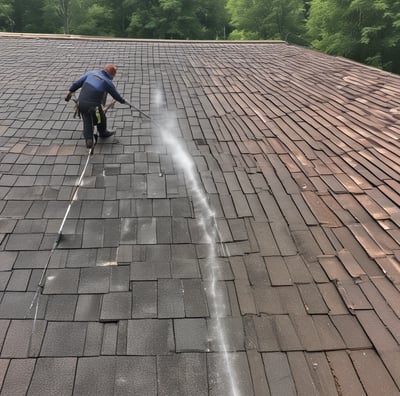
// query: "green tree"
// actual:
[[121, 12], [63, 10], [368, 32], [214, 19], [267, 19], [6, 16], [143, 18], [178, 19], [323, 27], [26, 16], [390, 54], [92, 18], [56, 16], [158, 19]]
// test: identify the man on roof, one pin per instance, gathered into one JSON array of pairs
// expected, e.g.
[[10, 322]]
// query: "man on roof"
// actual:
[[95, 85]]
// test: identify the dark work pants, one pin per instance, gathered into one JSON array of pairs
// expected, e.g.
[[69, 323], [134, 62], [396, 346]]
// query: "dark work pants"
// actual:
[[90, 119]]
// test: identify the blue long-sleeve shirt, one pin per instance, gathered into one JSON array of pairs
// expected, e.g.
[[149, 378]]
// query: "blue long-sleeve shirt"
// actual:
[[94, 85]]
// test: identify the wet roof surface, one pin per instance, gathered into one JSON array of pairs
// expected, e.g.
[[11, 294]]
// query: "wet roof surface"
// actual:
[[244, 242]]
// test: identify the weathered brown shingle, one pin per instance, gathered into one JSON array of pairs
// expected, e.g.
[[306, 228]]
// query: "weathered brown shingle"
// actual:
[[280, 244]]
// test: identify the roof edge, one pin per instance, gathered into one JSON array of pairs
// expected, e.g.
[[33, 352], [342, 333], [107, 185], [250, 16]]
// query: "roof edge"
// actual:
[[104, 38]]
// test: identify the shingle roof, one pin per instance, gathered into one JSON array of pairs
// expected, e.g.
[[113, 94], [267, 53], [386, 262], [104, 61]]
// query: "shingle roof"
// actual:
[[245, 241]]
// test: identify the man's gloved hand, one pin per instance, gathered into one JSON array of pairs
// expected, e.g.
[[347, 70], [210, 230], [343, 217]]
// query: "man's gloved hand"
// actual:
[[68, 97], [127, 103]]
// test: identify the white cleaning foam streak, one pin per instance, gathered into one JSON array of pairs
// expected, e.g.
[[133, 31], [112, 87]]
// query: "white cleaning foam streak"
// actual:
[[208, 225]]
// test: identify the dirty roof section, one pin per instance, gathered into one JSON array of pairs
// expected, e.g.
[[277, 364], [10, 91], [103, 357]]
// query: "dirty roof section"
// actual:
[[244, 241]]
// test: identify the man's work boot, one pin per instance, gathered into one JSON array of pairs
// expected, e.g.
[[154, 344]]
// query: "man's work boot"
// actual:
[[107, 134], [89, 143]]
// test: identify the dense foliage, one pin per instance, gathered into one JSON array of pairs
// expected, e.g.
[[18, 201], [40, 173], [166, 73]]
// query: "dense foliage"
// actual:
[[271, 19], [364, 30], [175, 19]]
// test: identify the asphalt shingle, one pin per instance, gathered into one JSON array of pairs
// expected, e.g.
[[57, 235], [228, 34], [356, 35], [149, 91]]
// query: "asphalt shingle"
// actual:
[[64, 339], [116, 306], [182, 374], [18, 377], [150, 337], [53, 376], [273, 234]]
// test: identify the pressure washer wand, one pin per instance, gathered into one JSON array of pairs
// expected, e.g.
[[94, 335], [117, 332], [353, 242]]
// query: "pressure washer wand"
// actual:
[[137, 109]]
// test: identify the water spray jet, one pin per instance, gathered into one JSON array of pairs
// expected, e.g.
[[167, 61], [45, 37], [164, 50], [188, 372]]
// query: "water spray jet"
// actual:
[[208, 224]]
